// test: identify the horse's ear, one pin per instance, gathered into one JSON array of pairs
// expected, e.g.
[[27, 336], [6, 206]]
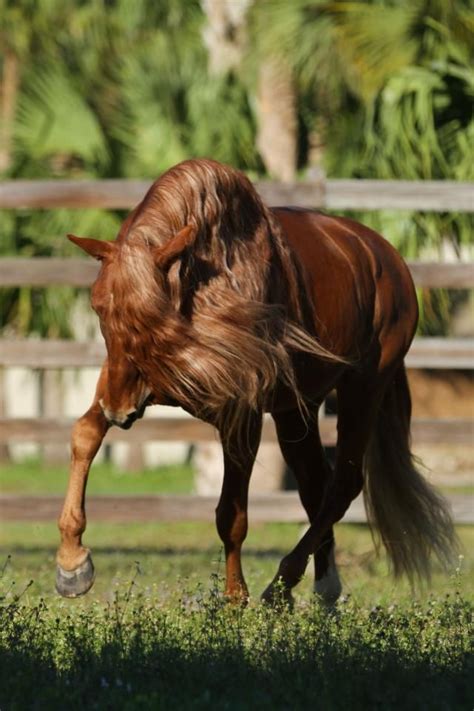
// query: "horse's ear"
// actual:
[[95, 247], [173, 249]]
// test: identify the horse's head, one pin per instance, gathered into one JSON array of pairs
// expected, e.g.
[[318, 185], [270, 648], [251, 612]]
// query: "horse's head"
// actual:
[[126, 393]]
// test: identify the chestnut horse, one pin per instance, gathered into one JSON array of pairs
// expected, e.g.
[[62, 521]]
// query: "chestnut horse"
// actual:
[[209, 300]]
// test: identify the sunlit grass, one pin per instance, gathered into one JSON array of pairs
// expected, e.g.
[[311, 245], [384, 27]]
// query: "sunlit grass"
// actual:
[[31, 477], [170, 553]]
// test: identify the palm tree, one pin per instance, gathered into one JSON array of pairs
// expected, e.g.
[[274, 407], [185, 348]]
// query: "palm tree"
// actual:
[[384, 90]]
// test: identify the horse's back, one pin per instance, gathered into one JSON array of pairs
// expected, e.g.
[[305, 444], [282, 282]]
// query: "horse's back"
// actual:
[[360, 288]]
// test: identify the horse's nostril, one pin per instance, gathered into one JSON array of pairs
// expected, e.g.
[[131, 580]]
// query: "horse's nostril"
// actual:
[[127, 423], [131, 417]]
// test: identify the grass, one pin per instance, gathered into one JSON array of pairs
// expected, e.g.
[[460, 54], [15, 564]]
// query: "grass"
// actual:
[[31, 477], [143, 651], [154, 633], [175, 554]]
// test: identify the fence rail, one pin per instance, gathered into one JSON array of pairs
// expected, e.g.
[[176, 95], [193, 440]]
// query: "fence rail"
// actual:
[[435, 195], [57, 430], [55, 271], [283, 507], [452, 353], [58, 354]]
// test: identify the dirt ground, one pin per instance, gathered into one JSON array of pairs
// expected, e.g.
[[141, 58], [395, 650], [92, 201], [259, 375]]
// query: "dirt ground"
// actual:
[[445, 394]]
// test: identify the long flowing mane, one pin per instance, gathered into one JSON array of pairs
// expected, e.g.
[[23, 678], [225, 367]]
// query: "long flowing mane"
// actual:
[[217, 330]]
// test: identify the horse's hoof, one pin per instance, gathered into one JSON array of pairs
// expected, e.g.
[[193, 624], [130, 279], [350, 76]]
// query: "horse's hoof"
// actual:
[[278, 597], [73, 583], [237, 598]]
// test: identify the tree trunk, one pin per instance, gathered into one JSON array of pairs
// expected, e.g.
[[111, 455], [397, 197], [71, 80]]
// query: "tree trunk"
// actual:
[[225, 33], [8, 97], [277, 121]]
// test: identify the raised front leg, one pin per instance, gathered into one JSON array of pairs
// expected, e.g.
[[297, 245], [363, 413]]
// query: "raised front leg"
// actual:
[[75, 571], [231, 512]]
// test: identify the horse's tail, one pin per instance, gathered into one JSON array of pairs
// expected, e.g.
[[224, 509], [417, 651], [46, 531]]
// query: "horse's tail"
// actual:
[[412, 519]]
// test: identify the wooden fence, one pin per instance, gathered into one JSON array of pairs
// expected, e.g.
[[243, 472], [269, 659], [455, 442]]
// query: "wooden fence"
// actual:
[[114, 194], [281, 506], [59, 354], [426, 195]]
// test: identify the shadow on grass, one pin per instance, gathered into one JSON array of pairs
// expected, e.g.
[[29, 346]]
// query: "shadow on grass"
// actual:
[[163, 675], [198, 652]]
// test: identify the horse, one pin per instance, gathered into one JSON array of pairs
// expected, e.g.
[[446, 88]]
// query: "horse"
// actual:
[[209, 300]]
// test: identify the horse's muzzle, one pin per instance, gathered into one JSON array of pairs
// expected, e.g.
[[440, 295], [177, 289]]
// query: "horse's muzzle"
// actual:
[[125, 424], [126, 420]]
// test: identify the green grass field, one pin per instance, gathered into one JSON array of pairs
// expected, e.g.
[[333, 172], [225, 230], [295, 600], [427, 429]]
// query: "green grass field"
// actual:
[[31, 477], [154, 633]]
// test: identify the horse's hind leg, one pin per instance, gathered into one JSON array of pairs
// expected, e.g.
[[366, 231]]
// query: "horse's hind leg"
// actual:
[[358, 399], [75, 571], [301, 447]]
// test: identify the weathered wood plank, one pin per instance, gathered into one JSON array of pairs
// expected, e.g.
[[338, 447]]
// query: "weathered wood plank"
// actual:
[[437, 196], [31, 353], [436, 275], [284, 507], [54, 271], [47, 194], [439, 353], [51, 353], [187, 429], [47, 271], [429, 195]]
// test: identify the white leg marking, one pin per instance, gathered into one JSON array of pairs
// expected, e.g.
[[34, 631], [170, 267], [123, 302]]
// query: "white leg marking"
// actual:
[[329, 586]]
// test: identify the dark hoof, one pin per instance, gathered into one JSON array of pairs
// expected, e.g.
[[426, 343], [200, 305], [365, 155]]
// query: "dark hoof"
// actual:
[[73, 583], [278, 597]]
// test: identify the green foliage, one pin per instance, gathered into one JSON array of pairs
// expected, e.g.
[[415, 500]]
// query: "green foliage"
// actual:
[[107, 90], [137, 652], [390, 88], [54, 122], [122, 89]]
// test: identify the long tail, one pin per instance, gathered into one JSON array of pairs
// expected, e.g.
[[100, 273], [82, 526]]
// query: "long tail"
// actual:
[[413, 520]]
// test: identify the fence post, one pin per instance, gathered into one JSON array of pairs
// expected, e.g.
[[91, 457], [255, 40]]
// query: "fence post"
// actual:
[[4, 450], [134, 460], [51, 404], [267, 476]]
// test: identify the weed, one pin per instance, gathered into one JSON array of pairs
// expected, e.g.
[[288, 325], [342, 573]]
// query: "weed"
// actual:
[[137, 652]]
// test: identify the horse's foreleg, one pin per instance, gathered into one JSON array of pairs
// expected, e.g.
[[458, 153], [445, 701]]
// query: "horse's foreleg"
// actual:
[[75, 571], [231, 512]]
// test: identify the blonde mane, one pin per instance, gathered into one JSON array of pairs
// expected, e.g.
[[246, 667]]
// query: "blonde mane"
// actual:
[[216, 332]]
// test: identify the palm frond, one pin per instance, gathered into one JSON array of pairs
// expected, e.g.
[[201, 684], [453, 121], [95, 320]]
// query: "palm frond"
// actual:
[[54, 119]]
